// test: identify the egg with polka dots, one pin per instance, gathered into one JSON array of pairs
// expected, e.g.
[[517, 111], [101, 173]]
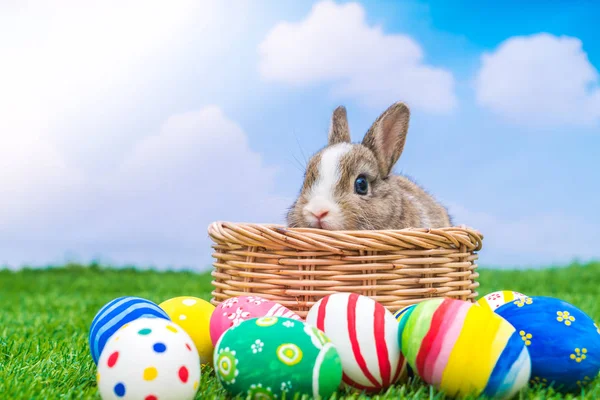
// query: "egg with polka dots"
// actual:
[[193, 315], [150, 359]]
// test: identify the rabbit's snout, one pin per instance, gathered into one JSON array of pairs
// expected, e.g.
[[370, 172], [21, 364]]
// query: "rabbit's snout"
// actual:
[[322, 213]]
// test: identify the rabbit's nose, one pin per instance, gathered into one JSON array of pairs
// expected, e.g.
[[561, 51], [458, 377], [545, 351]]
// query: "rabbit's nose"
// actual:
[[320, 214]]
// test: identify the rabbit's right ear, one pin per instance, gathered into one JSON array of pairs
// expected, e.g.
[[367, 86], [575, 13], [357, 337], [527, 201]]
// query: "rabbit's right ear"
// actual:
[[339, 132], [387, 136]]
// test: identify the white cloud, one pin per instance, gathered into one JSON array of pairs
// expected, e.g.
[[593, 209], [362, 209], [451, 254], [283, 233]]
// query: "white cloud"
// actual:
[[57, 59], [33, 176], [144, 199], [335, 44], [157, 206], [540, 80], [536, 240], [199, 168], [59, 55]]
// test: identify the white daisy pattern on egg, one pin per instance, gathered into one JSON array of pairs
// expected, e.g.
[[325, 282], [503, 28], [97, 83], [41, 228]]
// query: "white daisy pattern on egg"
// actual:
[[230, 302], [238, 316], [288, 324], [257, 346], [255, 300]]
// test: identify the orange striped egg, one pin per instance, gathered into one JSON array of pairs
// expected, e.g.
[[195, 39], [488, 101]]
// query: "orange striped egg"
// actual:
[[365, 335]]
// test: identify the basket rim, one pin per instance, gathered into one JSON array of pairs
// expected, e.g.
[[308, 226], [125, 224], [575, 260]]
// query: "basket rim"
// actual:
[[277, 236]]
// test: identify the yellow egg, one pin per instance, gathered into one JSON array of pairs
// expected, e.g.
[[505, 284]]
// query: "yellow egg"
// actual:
[[193, 316], [495, 300]]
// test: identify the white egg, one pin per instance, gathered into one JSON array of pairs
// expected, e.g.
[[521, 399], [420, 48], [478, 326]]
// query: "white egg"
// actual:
[[149, 359]]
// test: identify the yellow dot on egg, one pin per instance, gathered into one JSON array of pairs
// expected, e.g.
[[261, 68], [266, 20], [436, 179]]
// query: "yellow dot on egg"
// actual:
[[195, 385], [182, 317], [150, 374], [98, 377], [584, 350], [172, 328], [572, 356]]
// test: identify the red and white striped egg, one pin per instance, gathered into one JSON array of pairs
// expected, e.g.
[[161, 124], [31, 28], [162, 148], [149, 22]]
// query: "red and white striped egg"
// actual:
[[365, 335], [234, 310]]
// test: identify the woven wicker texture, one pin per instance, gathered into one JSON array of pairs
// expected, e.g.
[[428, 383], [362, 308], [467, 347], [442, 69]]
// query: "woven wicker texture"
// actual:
[[297, 267]]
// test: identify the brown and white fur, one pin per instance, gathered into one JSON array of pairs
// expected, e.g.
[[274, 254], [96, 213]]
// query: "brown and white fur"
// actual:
[[330, 199]]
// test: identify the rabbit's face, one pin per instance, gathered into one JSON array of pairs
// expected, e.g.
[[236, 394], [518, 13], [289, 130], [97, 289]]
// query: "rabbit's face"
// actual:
[[342, 183], [346, 186]]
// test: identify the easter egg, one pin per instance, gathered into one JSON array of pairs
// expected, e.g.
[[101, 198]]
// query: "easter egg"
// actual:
[[149, 358], [269, 357], [563, 341], [237, 309], [116, 313], [463, 349], [193, 315], [402, 312], [496, 299], [365, 335]]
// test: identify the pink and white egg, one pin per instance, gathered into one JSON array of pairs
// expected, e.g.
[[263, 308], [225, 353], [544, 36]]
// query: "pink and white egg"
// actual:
[[234, 310], [365, 335], [150, 359]]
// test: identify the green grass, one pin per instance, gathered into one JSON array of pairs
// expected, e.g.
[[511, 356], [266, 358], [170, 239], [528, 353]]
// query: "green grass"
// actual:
[[45, 317]]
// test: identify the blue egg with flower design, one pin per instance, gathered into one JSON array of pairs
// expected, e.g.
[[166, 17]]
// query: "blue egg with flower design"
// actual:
[[563, 341]]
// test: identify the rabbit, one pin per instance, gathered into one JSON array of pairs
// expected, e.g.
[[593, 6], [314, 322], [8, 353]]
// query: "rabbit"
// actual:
[[349, 186]]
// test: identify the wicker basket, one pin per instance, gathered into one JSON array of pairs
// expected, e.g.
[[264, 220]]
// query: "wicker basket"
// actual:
[[297, 267]]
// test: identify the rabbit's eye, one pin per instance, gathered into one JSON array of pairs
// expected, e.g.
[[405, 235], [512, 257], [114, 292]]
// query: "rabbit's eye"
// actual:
[[361, 185]]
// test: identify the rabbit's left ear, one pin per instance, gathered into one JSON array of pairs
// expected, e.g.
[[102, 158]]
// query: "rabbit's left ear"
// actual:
[[339, 132], [387, 136]]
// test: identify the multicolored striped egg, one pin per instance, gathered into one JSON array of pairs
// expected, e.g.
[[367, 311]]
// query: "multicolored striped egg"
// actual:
[[116, 313], [237, 309], [272, 357], [365, 335], [401, 312], [563, 341], [463, 349], [494, 300], [150, 359]]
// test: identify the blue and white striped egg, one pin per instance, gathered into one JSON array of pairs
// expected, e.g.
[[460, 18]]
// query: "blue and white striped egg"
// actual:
[[116, 313]]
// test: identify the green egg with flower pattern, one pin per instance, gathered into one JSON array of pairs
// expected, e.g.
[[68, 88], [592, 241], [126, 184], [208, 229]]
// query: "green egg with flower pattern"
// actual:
[[269, 357]]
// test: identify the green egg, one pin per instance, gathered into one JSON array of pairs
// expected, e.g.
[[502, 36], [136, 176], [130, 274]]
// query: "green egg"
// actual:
[[265, 358]]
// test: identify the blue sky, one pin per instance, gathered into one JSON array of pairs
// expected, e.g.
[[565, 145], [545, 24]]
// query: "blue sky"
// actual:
[[126, 128]]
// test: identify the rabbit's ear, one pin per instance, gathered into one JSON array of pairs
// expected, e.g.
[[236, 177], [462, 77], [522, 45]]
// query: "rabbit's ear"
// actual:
[[339, 131], [387, 136]]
